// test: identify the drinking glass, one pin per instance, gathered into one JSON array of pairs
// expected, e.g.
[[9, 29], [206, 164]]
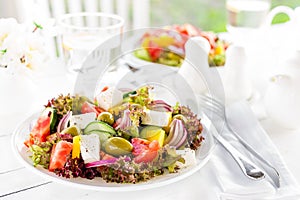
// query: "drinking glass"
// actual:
[[83, 32], [247, 13]]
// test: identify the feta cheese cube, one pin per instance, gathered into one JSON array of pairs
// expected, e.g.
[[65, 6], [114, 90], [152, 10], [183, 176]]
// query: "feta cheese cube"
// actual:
[[109, 98], [82, 120], [189, 157], [90, 148], [157, 118]]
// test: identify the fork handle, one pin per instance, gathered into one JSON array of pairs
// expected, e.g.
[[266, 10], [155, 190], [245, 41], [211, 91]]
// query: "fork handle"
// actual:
[[248, 167]]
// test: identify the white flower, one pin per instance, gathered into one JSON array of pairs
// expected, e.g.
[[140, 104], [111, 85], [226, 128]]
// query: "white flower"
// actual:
[[7, 26], [22, 48]]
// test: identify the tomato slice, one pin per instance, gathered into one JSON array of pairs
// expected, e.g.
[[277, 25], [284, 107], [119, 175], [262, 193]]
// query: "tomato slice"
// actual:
[[40, 131], [211, 38], [191, 30], [104, 89], [29, 141], [146, 156], [154, 51], [88, 108], [59, 154], [144, 150], [99, 110], [139, 145], [42, 128], [105, 156]]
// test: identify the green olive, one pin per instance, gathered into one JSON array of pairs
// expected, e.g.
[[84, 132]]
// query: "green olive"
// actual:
[[73, 130], [118, 146], [106, 117]]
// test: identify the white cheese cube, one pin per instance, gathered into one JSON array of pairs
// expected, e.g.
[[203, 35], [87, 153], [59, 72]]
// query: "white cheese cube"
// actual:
[[157, 118], [82, 120], [90, 148], [109, 98], [189, 157]]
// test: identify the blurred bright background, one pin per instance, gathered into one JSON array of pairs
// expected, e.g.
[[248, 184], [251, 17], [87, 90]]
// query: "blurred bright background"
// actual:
[[206, 14]]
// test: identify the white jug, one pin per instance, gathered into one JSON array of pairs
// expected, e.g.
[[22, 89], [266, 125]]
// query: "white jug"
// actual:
[[282, 99]]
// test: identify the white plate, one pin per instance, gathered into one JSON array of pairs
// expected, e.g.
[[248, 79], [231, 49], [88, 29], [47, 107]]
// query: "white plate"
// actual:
[[22, 131], [138, 63], [135, 62]]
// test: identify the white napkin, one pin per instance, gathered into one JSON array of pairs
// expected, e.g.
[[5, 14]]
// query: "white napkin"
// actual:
[[233, 183]]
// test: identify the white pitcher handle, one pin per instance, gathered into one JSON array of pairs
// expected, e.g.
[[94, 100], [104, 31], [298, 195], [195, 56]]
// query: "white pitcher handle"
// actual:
[[280, 9]]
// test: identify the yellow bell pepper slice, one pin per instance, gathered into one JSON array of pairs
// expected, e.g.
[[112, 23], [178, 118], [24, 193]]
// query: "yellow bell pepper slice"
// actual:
[[159, 137], [76, 147]]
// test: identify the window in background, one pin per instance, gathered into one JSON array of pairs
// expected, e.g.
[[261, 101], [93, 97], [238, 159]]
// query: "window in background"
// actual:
[[206, 14]]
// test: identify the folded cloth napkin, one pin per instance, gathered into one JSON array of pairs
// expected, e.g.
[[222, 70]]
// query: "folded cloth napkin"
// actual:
[[221, 178], [234, 185]]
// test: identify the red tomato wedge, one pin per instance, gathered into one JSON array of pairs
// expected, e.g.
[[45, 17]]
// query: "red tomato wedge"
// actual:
[[88, 108], [105, 156], [190, 30], [29, 141], [59, 154], [154, 51], [144, 150], [104, 89], [211, 38], [146, 156], [40, 131]]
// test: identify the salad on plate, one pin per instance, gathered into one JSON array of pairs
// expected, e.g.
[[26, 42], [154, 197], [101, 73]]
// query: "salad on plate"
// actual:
[[166, 46], [121, 137]]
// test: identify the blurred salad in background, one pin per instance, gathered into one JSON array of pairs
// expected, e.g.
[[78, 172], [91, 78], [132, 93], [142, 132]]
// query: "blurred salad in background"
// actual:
[[166, 46]]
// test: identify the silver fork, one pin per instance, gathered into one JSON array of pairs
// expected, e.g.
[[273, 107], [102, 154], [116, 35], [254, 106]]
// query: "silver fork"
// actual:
[[249, 169], [218, 109]]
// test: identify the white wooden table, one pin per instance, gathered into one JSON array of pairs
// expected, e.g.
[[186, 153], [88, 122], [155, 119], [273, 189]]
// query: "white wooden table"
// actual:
[[17, 182]]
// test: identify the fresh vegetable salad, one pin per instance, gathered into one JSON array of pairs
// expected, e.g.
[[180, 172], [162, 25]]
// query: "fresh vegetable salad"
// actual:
[[120, 137], [166, 47]]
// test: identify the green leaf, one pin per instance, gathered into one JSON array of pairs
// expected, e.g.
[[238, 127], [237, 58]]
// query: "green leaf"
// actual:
[[38, 25], [140, 96], [3, 51]]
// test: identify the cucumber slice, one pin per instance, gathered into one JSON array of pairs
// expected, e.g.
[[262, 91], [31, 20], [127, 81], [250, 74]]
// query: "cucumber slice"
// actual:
[[103, 136], [53, 118], [99, 126]]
